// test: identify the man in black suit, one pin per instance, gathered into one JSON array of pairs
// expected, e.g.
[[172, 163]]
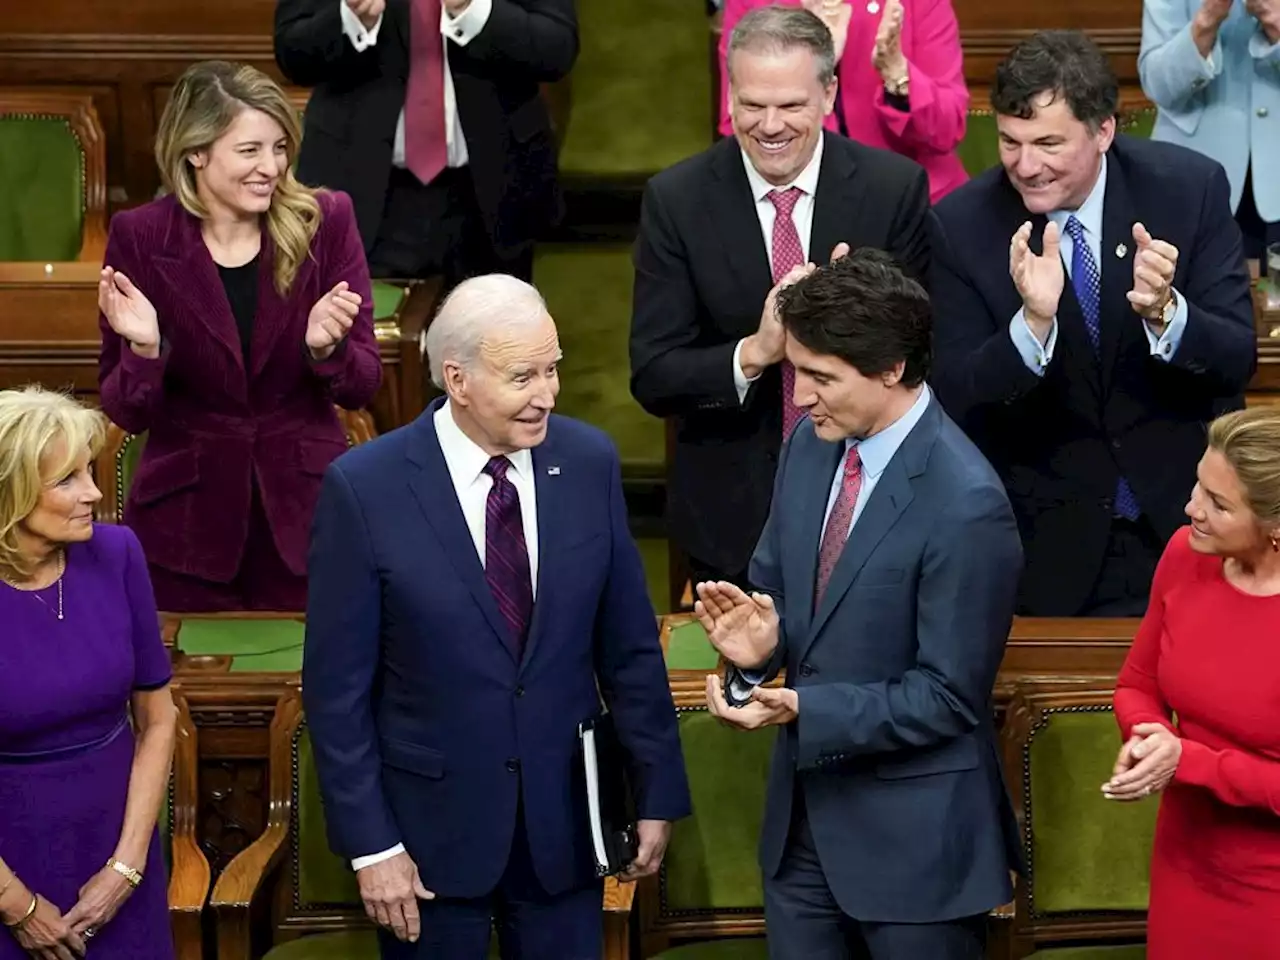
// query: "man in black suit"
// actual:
[[1086, 364], [720, 233], [427, 112]]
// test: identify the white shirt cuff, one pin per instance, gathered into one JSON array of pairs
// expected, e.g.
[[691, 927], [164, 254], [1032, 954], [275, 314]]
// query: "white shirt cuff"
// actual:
[[467, 25], [362, 39], [359, 863], [1166, 345], [1034, 354], [740, 381]]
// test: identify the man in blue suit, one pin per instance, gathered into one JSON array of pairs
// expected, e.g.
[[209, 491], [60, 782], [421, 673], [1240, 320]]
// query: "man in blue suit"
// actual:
[[474, 592], [1094, 315], [887, 571]]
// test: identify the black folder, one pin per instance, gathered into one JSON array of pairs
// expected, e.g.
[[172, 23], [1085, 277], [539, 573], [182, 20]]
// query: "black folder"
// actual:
[[610, 802]]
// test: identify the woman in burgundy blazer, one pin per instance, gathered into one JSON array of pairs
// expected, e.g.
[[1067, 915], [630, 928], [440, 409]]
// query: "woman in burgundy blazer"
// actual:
[[901, 75], [235, 312]]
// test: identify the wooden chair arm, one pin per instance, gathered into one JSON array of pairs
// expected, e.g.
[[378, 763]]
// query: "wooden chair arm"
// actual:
[[239, 884], [618, 896], [189, 877], [618, 899]]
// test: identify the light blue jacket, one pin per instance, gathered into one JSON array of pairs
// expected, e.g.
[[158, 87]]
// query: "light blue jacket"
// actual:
[[1226, 107]]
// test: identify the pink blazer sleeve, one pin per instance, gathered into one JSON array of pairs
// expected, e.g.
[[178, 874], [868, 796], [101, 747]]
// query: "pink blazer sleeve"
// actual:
[[938, 95]]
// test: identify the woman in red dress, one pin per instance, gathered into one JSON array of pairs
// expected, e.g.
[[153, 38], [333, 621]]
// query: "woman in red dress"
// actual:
[[1208, 654]]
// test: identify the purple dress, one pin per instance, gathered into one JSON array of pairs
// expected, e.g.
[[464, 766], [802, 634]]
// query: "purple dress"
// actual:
[[66, 745]]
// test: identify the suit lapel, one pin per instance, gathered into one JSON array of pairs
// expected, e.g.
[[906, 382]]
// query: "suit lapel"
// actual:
[[1116, 315], [733, 211], [432, 487], [273, 314], [554, 501], [839, 198]]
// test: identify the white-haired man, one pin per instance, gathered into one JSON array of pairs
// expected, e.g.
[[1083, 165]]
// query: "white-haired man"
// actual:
[[473, 590]]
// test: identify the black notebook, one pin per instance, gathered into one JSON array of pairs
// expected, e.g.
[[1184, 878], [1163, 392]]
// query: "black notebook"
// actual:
[[610, 803]]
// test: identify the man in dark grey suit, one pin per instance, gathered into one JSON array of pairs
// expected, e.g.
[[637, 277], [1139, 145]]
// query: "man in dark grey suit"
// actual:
[[887, 567]]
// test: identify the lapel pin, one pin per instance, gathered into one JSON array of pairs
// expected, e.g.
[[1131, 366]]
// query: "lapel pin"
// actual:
[[873, 7], [553, 471], [1121, 250]]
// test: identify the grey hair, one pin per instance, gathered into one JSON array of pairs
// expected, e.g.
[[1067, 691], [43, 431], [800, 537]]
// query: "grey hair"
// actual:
[[474, 310], [777, 29]]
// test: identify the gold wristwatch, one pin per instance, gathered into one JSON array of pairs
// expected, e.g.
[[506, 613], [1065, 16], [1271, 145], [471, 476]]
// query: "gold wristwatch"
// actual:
[[128, 872], [898, 87]]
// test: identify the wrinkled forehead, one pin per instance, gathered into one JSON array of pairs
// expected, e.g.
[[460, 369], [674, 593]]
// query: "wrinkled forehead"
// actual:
[[536, 345]]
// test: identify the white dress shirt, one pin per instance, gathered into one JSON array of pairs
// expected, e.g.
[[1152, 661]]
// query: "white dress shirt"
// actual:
[[802, 216], [465, 461], [1037, 356], [460, 30]]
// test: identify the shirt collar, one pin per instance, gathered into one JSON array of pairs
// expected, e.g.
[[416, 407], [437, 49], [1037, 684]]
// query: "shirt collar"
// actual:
[[464, 457], [876, 451], [1089, 213], [806, 180]]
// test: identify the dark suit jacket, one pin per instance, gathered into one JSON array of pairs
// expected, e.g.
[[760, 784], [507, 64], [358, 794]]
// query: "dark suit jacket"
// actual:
[[1061, 441], [214, 428], [895, 745], [702, 275], [427, 730], [351, 116]]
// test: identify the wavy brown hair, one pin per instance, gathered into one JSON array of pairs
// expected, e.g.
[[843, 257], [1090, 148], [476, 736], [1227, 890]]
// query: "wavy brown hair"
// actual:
[[203, 104]]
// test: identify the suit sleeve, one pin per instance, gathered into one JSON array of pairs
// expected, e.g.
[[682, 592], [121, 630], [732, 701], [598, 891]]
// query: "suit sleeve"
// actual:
[[311, 47], [536, 39], [1172, 72], [671, 371], [633, 676], [765, 571], [353, 372], [339, 665], [1137, 698], [131, 388], [1219, 344], [967, 585], [938, 95], [976, 361], [909, 236]]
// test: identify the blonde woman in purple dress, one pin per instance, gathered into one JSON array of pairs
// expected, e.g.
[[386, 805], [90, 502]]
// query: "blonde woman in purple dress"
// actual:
[[86, 718]]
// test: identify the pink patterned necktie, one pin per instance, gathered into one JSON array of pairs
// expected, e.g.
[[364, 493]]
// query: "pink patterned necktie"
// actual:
[[786, 253], [425, 144], [836, 534], [506, 556]]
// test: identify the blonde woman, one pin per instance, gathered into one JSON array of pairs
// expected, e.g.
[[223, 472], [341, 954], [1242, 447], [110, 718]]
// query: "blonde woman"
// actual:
[[86, 718], [235, 311]]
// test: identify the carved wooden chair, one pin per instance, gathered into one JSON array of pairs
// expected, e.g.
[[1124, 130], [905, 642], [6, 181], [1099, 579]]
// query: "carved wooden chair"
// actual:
[[189, 875], [316, 912], [53, 159]]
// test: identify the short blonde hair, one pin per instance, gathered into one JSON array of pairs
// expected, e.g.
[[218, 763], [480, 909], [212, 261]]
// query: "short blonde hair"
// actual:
[[32, 421], [203, 104], [1250, 441]]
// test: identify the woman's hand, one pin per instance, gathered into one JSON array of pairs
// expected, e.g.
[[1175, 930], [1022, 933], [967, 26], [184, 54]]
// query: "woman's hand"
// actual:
[[331, 320], [100, 898], [1146, 764], [129, 313], [47, 935]]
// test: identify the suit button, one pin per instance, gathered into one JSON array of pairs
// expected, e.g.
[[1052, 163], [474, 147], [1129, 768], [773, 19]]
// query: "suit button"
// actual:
[[806, 670], [1106, 504], [519, 691], [1262, 111], [513, 765], [1115, 444]]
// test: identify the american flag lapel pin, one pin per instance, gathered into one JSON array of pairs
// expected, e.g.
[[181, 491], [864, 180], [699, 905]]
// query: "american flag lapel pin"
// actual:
[[553, 471]]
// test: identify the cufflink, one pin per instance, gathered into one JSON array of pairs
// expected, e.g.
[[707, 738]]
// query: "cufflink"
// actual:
[[737, 693]]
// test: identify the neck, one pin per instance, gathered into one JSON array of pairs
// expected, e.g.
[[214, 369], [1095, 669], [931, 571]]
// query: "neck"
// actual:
[[474, 434], [1262, 565], [226, 228], [901, 399], [40, 553]]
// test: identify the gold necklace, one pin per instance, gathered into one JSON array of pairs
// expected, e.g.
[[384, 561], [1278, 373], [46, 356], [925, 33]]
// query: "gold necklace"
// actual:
[[62, 568]]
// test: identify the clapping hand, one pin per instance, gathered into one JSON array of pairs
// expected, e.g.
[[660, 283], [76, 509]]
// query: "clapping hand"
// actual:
[[768, 706], [369, 12], [1039, 279], [1154, 263], [836, 16], [331, 320], [129, 313], [886, 55], [744, 629], [1146, 764]]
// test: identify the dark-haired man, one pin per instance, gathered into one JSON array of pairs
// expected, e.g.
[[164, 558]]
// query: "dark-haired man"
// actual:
[[887, 571], [1093, 315]]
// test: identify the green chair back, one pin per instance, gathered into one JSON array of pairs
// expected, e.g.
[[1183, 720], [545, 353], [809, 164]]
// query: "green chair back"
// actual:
[[42, 207], [1086, 853], [127, 460], [979, 150], [1130, 951], [322, 879], [1138, 122]]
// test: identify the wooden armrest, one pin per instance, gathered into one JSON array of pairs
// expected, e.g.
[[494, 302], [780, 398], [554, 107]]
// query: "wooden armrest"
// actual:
[[618, 896], [244, 875], [190, 877]]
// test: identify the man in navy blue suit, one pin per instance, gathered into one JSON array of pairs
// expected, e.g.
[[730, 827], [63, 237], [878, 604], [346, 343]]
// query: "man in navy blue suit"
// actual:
[[474, 593], [887, 570], [1093, 315]]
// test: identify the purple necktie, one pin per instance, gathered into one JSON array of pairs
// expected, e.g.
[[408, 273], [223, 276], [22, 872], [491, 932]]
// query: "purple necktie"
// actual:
[[506, 557]]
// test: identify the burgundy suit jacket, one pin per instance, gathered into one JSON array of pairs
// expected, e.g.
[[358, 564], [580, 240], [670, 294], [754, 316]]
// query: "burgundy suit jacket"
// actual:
[[213, 427]]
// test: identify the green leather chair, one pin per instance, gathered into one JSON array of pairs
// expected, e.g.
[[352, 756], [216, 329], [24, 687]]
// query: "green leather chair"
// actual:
[[1084, 896], [52, 147]]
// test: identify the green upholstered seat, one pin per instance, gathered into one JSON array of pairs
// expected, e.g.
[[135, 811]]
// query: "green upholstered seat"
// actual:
[[42, 207], [689, 649], [735, 948], [343, 945], [1126, 952], [258, 645], [979, 149], [1086, 853]]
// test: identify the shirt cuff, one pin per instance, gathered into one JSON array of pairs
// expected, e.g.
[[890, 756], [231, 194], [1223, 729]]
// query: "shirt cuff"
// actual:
[[1165, 346], [467, 25], [359, 863], [1035, 355], [1260, 48], [361, 38], [740, 381]]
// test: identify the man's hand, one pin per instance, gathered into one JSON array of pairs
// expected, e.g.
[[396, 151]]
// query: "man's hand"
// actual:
[[767, 345], [1154, 263], [391, 890], [369, 12], [743, 629], [1267, 13], [653, 836], [1146, 763], [769, 706], [1039, 279]]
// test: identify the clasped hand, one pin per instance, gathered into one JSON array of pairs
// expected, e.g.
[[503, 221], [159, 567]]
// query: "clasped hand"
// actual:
[[1146, 764]]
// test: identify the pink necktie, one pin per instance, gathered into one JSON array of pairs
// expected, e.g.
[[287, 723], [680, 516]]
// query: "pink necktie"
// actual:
[[786, 254], [425, 144], [837, 532]]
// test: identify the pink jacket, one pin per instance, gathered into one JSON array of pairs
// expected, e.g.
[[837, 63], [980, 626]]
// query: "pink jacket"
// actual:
[[934, 126]]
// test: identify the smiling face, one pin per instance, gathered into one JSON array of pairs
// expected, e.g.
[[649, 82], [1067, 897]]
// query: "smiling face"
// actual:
[[1052, 159], [777, 107], [238, 173], [64, 512], [1222, 522]]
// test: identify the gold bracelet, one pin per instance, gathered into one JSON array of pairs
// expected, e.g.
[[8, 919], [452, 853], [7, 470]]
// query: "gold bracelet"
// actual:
[[17, 924], [129, 873]]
